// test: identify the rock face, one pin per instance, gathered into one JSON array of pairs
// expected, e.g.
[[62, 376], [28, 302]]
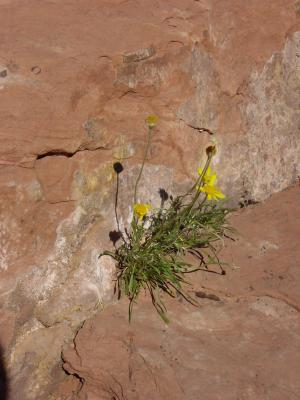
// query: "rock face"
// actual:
[[77, 79], [236, 345], [215, 353]]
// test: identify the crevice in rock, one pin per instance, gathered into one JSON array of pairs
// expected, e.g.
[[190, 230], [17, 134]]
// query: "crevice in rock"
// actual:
[[247, 202], [61, 201], [245, 199], [76, 375], [74, 341], [199, 129], [55, 153], [128, 92], [67, 154]]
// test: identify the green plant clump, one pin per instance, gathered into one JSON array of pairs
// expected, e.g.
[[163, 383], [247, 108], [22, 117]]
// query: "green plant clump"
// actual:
[[152, 254]]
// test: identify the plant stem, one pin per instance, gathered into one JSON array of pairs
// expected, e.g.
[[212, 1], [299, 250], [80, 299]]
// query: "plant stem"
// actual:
[[116, 209], [198, 183], [143, 163], [199, 180], [116, 204]]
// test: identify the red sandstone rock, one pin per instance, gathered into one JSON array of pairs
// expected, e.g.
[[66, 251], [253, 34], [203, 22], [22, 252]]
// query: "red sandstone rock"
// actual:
[[241, 343], [77, 79]]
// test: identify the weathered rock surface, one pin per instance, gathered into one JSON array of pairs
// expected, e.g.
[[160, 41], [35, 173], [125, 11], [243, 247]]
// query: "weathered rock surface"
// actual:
[[243, 342], [222, 351], [77, 79]]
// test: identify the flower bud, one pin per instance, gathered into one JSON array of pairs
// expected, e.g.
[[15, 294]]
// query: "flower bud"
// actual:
[[211, 151], [151, 121]]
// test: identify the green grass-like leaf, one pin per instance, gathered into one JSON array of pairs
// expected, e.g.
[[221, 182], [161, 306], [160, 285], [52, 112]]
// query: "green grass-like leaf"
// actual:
[[152, 258]]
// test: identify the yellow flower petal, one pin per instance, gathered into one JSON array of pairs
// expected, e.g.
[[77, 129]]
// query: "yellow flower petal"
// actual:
[[141, 209], [212, 179], [151, 121], [200, 171], [209, 178], [212, 192]]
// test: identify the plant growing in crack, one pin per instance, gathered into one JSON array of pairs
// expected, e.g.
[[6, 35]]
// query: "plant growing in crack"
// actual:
[[152, 253]]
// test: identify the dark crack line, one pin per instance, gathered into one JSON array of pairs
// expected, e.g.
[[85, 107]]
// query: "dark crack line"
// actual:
[[199, 129], [75, 374], [78, 377], [61, 201], [67, 154], [74, 342]]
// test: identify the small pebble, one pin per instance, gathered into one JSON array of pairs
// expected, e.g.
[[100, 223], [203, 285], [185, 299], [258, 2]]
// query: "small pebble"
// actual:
[[36, 70], [210, 296]]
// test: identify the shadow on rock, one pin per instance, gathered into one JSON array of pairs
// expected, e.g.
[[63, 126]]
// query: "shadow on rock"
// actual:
[[3, 378]]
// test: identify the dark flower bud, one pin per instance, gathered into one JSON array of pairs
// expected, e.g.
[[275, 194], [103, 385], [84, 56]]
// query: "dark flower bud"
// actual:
[[211, 151], [118, 167]]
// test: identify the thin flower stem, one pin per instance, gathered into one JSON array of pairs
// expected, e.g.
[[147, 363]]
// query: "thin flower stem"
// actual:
[[202, 202], [198, 183], [116, 209], [200, 179], [149, 136], [116, 204]]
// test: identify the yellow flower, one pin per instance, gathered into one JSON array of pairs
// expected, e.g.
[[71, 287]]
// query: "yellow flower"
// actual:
[[212, 192], [141, 209], [209, 178], [151, 121]]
